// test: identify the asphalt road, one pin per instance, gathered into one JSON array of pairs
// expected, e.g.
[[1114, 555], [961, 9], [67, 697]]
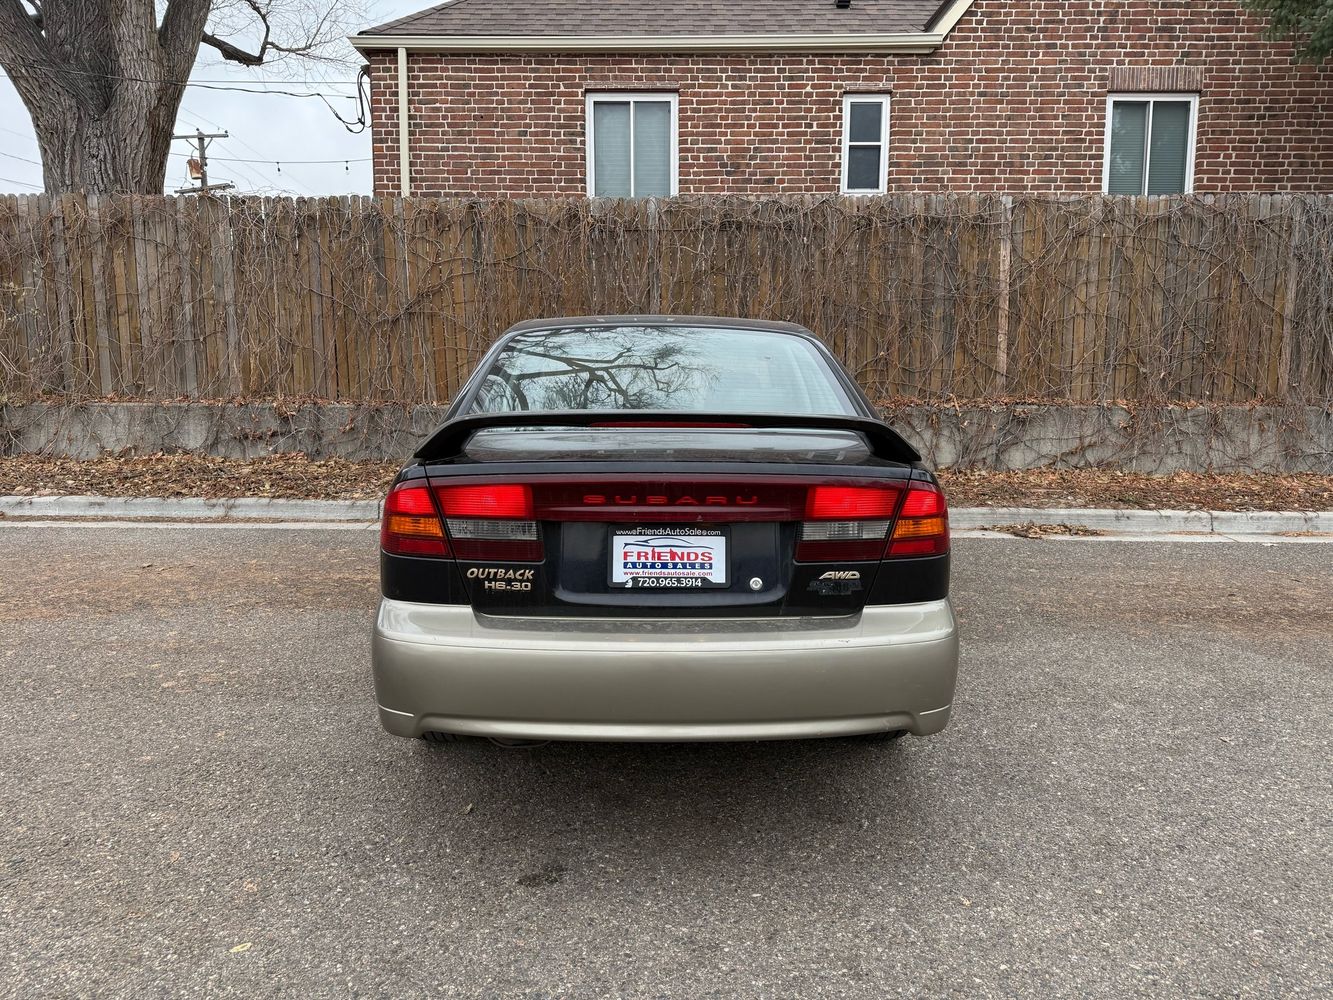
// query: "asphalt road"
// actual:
[[1133, 800]]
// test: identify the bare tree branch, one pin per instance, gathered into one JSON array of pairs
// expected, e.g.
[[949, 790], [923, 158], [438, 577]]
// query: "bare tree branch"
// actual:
[[304, 29], [20, 36], [234, 53]]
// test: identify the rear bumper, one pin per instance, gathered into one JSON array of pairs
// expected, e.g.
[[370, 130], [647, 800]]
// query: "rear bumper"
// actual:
[[444, 668]]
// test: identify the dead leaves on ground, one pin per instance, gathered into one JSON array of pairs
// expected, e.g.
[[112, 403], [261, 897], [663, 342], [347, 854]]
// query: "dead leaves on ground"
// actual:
[[1113, 488], [297, 476], [1034, 530]]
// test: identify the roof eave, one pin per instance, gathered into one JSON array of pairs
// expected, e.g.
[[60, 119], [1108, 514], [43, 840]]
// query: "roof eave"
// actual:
[[913, 43], [949, 14]]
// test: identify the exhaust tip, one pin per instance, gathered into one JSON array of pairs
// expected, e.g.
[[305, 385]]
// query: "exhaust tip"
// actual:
[[511, 744]]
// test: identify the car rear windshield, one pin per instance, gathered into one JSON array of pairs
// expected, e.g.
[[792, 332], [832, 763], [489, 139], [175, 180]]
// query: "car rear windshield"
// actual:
[[704, 369]]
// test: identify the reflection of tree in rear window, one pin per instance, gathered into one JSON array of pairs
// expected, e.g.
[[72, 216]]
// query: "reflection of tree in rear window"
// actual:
[[660, 368]]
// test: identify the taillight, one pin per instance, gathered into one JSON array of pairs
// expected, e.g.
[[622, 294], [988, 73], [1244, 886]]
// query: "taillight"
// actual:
[[411, 525], [491, 522], [845, 523], [922, 528], [851, 523], [836, 503], [500, 501]]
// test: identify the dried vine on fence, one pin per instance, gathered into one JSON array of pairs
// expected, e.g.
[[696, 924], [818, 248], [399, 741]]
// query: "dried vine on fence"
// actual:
[[1226, 299]]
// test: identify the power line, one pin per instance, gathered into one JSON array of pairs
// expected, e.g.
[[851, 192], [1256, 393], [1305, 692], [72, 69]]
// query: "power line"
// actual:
[[276, 163], [259, 152], [309, 83], [199, 165], [228, 85], [263, 181], [221, 159], [359, 97], [260, 161], [196, 119], [10, 180], [257, 182], [279, 162], [233, 159]]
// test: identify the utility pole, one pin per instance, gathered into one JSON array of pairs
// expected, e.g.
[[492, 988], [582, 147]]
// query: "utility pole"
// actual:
[[199, 165]]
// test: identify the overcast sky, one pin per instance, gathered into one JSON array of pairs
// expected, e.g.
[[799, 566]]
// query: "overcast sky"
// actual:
[[271, 128]]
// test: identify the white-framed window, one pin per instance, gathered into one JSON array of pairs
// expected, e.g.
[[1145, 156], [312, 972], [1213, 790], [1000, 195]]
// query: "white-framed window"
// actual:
[[632, 145], [1150, 143], [865, 143]]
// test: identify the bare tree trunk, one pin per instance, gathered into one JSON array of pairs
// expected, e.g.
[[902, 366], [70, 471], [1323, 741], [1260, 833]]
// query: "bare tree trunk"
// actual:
[[122, 149]]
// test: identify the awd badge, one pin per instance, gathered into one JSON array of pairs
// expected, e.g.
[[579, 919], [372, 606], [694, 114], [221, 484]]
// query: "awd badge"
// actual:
[[836, 582]]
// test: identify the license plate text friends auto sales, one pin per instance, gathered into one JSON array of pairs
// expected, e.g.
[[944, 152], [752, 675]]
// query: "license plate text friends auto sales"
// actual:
[[654, 558]]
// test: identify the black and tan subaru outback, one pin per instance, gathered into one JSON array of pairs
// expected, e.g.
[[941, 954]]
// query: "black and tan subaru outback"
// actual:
[[663, 528]]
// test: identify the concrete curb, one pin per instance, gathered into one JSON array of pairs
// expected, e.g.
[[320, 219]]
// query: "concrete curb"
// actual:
[[1155, 522], [1137, 522], [164, 509]]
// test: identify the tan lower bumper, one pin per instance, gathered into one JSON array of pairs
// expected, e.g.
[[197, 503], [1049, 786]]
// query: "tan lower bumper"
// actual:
[[444, 668]]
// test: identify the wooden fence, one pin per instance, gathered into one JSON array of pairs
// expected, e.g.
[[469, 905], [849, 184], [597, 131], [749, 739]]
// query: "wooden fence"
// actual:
[[1226, 299]]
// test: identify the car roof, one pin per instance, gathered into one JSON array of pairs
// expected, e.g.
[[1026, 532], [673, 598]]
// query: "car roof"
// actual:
[[636, 319]]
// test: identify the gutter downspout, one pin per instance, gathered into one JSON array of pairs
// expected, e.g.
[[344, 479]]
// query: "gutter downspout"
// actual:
[[404, 163]]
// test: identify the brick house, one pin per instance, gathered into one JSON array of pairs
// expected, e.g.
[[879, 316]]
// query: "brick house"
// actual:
[[761, 97]]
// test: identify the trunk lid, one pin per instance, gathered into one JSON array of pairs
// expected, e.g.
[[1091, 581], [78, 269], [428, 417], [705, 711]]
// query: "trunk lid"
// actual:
[[661, 518]]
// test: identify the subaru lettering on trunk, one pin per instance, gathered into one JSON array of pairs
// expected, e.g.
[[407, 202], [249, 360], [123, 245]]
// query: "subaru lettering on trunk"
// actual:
[[658, 500], [663, 528]]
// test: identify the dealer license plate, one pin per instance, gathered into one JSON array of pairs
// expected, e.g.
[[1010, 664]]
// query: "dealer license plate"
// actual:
[[651, 558]]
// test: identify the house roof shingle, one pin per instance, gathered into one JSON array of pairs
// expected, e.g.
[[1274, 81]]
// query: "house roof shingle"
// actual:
[[664, 17]]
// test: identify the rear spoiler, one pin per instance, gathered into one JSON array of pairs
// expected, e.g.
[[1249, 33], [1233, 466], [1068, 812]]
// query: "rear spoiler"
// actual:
[[449, 439]]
